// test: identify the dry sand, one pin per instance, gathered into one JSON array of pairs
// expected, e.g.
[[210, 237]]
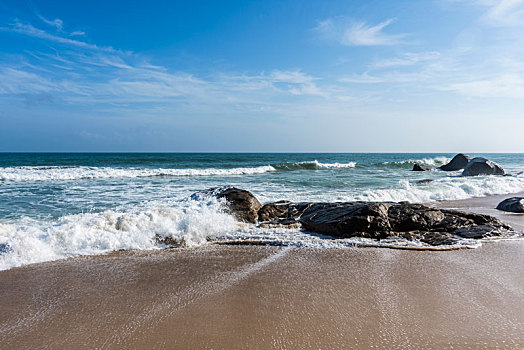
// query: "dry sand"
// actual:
[[239, 297]]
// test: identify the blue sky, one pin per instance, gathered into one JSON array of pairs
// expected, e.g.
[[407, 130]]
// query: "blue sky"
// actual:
[[275, 76]]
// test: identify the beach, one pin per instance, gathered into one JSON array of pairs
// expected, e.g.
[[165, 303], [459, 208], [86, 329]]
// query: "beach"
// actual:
[[261, 297]]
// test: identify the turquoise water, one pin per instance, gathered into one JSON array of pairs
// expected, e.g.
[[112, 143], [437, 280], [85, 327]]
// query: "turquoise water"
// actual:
[[59, 205]]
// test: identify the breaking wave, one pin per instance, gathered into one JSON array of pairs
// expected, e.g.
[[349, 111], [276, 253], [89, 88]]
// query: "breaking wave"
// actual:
[[312, 165], [435, 162], [30, 173], [449, 188], [27, 240]]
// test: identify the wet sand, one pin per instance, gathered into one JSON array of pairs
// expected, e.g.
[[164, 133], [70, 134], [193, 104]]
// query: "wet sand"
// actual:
[[258, 297]]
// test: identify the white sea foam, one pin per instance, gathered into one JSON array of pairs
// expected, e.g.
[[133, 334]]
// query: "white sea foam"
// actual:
[[449, 188], [32, 173], [28, 240], [436, 161], [313, 165], [336, 165]]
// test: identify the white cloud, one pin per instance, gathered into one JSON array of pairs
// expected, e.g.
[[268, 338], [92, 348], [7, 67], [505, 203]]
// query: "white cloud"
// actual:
[[505, 13], [28, 29], [57, 23], [506, 86], [408, 59], [353, 33]]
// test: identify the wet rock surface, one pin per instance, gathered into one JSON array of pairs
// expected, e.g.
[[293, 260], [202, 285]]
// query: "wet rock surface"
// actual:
[[458, 162], [482, 166], [513, 204], [242, 204], [378, 220], [418, 167]]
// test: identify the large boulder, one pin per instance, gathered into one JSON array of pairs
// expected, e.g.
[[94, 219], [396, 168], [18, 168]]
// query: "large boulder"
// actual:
[[458, 162], [482, 166], [418, 167], [242, 204], [353, 219], [382, 220], [513, 204]]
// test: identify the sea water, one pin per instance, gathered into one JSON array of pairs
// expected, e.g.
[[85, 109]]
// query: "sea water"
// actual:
[[55, 205]]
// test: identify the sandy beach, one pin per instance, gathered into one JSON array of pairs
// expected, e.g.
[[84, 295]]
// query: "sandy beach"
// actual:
[[262, 297]]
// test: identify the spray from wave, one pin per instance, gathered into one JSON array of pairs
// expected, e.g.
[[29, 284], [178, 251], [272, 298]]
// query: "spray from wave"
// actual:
[[28, 240]]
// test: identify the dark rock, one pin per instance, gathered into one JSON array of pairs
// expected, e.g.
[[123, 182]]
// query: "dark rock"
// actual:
[[418, 167], [378, 220], [482, 166], [241, 204], [383, 220], [457, 163], [353, 219], [513, 204], [273, 211], [476, 232], [425, 181]]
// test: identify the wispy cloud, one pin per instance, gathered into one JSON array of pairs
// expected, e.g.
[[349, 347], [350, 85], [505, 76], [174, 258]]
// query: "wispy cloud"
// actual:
[[357, 33], [78, 72], [408, 59], [57, 23], [77, 33], [30, 30], [506, 86], [506, 13]]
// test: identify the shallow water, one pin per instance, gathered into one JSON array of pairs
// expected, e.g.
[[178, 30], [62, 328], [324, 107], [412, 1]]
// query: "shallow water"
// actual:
[[59, 205]]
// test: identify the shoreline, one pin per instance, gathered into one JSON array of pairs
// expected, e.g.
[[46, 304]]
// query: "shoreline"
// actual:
[[269, 297], [223, 296]]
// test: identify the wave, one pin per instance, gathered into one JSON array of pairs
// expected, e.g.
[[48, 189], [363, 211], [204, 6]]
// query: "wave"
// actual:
[[27, 240], [449, 188], [436, 161], [199, 222], [312, 165], [34, 173]]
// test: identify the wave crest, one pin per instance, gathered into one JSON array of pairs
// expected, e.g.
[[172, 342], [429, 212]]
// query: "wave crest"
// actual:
[[26, 240], [312, 165], [33, 173]]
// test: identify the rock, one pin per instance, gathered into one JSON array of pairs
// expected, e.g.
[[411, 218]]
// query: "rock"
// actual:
[[273, 211], [513, 204], [241, 204], [425, 181], [482, 166], [418, 167], [353, 219], [384, 220], [475, 232], [458, 162], [378, 220]]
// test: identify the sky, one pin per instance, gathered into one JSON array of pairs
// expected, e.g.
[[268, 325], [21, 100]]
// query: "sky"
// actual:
[[262, 76]]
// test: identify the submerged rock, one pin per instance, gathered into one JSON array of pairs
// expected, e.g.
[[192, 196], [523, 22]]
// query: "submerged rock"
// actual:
[[425, 181], [482, 166], [240, 203], [513, 204], [418, 167], [458, 162]]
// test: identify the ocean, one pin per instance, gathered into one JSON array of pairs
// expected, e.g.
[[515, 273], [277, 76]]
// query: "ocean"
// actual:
[[59, 205]]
